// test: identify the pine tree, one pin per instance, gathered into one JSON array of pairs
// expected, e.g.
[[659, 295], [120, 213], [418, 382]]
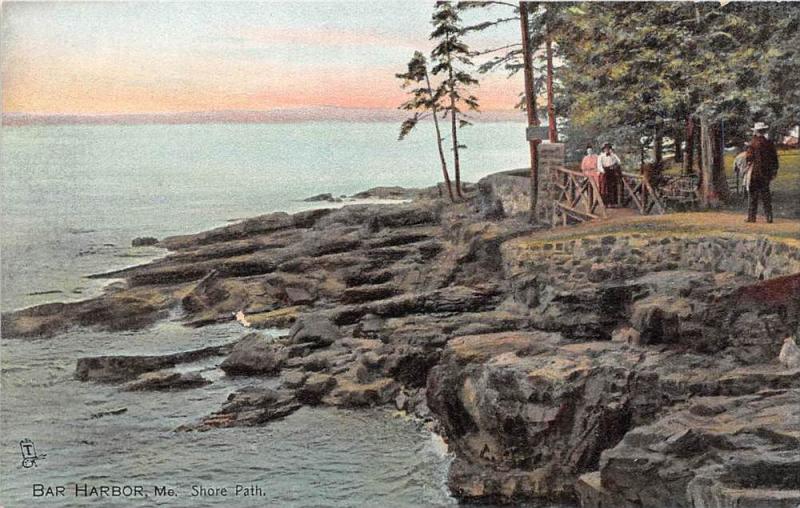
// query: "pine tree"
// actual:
[[649, 66], [423, 103], [452, 60], [549, 22], [634, 71]]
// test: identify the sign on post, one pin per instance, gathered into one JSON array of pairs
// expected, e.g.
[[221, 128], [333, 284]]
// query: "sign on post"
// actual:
[[536, 132]]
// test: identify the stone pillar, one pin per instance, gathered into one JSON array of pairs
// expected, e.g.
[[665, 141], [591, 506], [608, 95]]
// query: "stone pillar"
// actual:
[[551, 156]]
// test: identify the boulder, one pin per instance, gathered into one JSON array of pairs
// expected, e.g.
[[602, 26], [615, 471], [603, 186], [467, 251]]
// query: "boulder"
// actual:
[[369, 327], [124, 368], [348, 393], [393, 192], [658, 318], [152, 381], [327, 196], [410, 365], [248, 407], [314, 328], [144, 241], [294, 378], [503, 194], [298, 296], [254, 355], [627, 335], [790, 354], [279, 318], [205, 294], [316, 386], [369, 293], [317, 361]]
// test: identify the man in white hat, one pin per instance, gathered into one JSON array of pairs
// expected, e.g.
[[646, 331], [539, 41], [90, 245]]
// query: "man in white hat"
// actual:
[[762, 157]]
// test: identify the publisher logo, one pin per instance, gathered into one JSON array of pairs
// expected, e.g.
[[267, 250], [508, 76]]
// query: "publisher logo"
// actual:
[[29, 455]]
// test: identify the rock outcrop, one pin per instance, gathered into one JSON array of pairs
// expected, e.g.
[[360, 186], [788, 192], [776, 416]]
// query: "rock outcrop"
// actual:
[[160, 381], [719, 452], [249, 407], [254, 355], [144, 241], [528, 413], [114, 369], [554, 363]]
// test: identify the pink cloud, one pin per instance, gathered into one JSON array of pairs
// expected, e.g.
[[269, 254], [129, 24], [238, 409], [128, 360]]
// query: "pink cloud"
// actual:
[[326, 37]]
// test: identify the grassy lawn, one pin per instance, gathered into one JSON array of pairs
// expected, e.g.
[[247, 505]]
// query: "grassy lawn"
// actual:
[[785, 187], [681, 224]]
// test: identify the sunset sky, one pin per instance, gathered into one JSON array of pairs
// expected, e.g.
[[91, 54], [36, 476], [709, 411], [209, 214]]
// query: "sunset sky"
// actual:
[[131, 57]]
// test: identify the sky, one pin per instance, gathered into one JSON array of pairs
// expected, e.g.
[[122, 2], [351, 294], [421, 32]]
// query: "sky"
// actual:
[[158, 57]]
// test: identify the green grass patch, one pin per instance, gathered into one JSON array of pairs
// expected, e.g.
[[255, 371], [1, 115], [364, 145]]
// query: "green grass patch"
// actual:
[[678, 224]]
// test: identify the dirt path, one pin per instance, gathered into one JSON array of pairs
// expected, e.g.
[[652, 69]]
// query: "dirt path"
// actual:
[[624, 220]]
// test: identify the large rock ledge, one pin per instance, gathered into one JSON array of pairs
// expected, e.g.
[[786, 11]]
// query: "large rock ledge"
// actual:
[[553, 365], [715, 452], [528, 413], [114, 369]]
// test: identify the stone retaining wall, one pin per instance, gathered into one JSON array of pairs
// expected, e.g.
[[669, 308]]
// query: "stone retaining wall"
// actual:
[[691, 290], [621, 256]]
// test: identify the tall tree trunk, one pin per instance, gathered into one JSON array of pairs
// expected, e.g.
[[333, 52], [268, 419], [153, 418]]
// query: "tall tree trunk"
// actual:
[[552, 130], [698, 145], [658, 147], [456, 162], [530, 109], [720, 180], [677, 136], [707, 197], [453, 124], [688, 159], [442, 158], [713, 185]]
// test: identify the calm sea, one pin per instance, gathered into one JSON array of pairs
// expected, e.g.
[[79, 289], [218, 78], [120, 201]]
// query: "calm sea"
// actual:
[[73, 197]]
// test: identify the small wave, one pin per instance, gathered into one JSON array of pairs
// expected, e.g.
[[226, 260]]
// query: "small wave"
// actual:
[[95, 477], [9, 369], [47, 292], [129, 255], [439, 445]]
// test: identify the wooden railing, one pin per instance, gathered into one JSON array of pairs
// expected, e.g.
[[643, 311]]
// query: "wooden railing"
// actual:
[[638, 192], [577, 198], [679, 192]]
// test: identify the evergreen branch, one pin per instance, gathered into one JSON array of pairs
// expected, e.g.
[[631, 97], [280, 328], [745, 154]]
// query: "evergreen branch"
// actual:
[[474, 4], [488, 24], [487, 51]]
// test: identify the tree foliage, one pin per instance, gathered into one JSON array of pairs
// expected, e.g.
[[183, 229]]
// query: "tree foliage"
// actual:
[[452, 61], [424, 102], [635, 71]]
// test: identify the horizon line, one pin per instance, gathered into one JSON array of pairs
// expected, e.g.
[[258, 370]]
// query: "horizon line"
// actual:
[[274, 115], [218, 111]]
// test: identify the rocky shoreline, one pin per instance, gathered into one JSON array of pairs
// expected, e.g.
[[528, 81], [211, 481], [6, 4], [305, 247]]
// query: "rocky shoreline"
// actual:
[[634, 368]]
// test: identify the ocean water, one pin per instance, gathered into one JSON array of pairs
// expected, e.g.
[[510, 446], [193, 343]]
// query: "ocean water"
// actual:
[[73, 197], [314, 457]]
